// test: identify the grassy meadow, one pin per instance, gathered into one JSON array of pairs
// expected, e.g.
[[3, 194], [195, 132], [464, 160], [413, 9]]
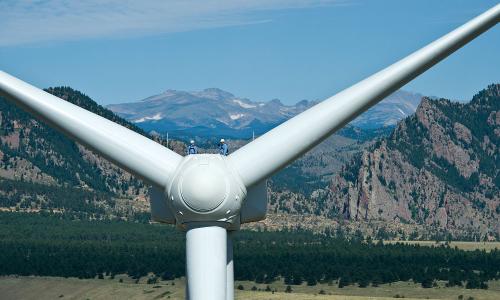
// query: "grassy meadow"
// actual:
[[467, 246], [39, 288]]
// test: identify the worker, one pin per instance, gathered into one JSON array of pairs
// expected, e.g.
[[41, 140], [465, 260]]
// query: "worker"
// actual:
[[223, 148], [192, 148]]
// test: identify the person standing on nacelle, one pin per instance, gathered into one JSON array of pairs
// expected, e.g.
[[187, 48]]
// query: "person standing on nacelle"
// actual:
[[223, 148], [192, 148]]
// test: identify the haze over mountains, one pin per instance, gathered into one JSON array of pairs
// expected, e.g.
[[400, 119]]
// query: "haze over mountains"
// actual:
[[217, 112]]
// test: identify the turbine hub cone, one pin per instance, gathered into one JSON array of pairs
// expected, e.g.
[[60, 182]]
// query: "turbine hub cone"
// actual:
[[205, 188]]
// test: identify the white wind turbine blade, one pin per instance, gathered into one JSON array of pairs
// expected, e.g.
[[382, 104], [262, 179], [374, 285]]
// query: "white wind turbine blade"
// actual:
[[137, 154], [274, 150]]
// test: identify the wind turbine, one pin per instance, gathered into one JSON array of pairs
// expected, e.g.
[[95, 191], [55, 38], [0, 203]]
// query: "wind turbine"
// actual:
[[210, 195]]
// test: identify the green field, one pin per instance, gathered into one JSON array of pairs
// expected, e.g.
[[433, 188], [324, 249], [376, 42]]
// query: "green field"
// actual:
[[13, 287]]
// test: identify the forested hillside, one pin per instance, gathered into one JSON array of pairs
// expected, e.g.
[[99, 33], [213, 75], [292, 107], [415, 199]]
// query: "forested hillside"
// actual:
[[42, 169], [440, 167]]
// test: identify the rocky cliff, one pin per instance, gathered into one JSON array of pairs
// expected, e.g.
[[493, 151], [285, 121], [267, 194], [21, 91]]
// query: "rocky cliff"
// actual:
[[440, 168]]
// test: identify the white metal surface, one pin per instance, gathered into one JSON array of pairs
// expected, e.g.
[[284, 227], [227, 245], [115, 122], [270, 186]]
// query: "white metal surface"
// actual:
[[126, 148], [254, 207], [206, 188], [206, 261], [229, 267], [160, 212], [254, 162]]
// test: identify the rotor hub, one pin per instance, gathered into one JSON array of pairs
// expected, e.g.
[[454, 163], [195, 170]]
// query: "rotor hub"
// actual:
[[206, 188], [203, 188]]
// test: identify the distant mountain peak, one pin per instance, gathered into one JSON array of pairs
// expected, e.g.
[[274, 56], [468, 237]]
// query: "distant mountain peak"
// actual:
[[166, 95], [389, 111], [276, 101], [215, 111], [303, 103], [173, 92], [214, 93], [216, 90]]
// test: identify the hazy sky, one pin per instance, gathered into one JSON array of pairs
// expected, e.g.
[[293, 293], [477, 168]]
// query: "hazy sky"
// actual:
[[124, 50]]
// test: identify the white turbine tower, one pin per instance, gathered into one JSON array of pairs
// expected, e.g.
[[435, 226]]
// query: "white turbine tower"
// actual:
[[210, 195]]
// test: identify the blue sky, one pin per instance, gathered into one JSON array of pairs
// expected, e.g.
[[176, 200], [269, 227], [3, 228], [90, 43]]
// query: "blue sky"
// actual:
[[123, 51]]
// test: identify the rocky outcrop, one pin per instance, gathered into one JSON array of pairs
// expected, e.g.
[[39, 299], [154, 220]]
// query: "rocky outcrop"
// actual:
[[440, 167]]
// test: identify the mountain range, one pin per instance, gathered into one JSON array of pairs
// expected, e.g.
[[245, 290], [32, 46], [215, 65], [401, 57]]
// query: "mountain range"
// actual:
[[436, 171], [214, 112]]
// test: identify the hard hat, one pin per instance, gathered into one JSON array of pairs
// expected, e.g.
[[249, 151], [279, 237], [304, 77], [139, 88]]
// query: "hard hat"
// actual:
[[222, 140], [192, 142]]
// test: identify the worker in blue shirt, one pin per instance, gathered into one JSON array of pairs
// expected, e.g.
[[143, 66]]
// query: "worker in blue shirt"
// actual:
[[223, 149], [192, 148]]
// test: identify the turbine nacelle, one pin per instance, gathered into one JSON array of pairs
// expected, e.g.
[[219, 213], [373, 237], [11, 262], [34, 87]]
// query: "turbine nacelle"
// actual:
[[206, 188]]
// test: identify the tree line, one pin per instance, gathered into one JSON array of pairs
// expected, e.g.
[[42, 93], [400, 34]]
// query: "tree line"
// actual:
[[53, 245]]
